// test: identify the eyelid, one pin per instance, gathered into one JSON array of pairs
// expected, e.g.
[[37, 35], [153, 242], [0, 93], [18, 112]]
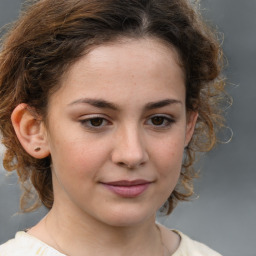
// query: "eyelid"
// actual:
[[169, 118], [92, 116], [87, 118]]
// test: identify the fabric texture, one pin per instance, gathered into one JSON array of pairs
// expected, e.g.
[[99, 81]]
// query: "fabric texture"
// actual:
[[189, 247], [26, 245]]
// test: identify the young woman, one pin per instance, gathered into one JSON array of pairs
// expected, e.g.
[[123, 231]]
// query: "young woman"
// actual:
[[103, 106]]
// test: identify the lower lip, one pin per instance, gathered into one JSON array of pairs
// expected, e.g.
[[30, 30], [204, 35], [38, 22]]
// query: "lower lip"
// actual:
[[128, 191]]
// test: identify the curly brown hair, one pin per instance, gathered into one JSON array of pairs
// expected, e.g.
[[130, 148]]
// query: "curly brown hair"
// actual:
[[51, 35]]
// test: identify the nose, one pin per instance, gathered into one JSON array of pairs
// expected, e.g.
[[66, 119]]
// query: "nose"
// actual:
[[129, 148]]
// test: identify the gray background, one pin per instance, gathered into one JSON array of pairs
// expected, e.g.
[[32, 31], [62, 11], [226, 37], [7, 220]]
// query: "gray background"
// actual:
[[224, 214]]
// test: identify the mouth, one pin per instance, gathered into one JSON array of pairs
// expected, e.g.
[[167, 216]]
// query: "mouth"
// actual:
[[126, 188]]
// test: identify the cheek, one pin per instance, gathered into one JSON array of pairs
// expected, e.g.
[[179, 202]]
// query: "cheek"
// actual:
[[78, 158], [75, 151], [168, 160], [168, 157], [76, 168]]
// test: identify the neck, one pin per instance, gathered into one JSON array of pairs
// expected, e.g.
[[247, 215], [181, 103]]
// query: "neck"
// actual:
[[91, 237]]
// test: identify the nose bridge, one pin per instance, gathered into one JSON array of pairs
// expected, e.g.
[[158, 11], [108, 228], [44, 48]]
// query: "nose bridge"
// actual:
[[129, 149]]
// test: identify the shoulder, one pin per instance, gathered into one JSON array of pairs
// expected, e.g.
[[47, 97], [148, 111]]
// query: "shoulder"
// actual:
[[189, 247], [25, 244], [182, 245]]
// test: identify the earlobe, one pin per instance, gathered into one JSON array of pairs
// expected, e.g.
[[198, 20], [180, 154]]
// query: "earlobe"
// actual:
[[30, 131], [191, 123]]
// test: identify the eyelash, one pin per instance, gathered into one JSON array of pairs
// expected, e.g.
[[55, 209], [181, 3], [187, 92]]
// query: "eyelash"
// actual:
[[165, 122], [88, 122]]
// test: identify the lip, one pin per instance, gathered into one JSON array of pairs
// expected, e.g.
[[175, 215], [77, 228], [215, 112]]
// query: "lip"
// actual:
[[126, 188]]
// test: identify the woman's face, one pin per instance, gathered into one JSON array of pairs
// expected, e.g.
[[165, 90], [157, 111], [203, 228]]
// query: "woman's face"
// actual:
[[117, 129]]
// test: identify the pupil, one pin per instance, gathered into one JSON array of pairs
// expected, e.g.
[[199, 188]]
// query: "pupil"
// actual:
[[96, 121], [158, 120]]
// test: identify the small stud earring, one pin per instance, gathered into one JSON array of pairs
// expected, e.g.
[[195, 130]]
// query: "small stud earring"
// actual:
[[37, 149]]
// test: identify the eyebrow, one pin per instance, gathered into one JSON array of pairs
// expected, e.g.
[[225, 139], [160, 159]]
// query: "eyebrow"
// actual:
[[100, 103], [161, 103]]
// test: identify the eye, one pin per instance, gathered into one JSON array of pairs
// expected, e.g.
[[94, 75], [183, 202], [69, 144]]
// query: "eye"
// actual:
[[157, 120], [94, 122], [160, 121]]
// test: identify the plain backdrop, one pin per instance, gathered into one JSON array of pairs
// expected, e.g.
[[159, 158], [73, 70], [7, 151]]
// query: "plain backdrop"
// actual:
[[224, 215]]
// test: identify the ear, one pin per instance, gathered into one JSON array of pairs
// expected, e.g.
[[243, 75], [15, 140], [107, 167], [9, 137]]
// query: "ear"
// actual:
[[30, 131], [191, 122]]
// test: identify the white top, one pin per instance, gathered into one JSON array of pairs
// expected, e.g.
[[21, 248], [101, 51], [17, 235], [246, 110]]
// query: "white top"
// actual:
[[26, 245]]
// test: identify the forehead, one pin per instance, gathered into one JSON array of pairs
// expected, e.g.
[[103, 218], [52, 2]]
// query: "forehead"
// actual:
[[128, 50], [138, 65]]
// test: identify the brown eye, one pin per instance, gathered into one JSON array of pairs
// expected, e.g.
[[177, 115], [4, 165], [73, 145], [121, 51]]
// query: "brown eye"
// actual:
[[96, 121], [157, 120], [160, 121]]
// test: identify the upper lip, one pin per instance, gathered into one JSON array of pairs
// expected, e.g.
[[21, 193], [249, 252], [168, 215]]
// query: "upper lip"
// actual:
[[127, 182]]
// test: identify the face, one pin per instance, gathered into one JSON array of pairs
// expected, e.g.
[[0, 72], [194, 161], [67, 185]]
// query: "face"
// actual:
[[116, 131]]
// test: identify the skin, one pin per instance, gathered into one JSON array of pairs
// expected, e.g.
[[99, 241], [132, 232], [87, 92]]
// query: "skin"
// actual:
[[120, 114]]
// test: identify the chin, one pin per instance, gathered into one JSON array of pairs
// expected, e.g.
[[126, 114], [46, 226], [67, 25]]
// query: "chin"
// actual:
[[126, 217]]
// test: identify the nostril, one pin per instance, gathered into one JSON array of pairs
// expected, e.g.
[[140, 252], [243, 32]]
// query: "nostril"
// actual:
[[130, 166], [122, 164]]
